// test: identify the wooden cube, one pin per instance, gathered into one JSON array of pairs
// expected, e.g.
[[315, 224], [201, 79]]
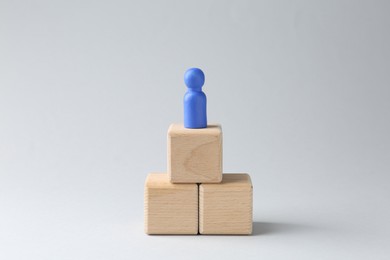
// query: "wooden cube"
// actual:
[[195, 155], [170, 208], [226, 208]]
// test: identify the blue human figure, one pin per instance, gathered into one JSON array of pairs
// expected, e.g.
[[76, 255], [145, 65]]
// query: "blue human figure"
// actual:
[[194, 100]]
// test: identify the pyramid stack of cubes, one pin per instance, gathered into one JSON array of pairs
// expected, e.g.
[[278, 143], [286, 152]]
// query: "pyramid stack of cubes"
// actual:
[[194, 197]]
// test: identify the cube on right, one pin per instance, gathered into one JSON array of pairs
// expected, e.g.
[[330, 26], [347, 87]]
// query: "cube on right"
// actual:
[[226, 207]]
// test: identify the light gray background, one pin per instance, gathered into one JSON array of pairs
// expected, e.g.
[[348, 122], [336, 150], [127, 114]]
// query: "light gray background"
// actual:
[[89, 88]]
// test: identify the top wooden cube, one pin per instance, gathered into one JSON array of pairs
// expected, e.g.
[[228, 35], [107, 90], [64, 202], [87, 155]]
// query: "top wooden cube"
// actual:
[[195, 155]]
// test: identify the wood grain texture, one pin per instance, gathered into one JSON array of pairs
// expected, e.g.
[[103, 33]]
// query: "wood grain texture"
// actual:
[[170, 208], [226, 208], [195, 155]]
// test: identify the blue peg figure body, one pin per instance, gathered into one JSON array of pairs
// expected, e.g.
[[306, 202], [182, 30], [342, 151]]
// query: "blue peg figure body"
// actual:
[[195, 115]]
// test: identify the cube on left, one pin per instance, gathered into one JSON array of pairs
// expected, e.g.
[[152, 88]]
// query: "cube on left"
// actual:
[[170, 208]]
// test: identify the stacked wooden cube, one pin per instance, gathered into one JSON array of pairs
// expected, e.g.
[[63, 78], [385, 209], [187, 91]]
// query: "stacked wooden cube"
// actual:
[[194, 196]]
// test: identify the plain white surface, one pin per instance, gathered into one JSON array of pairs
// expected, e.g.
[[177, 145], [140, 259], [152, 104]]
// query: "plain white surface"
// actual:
[[89, 88]]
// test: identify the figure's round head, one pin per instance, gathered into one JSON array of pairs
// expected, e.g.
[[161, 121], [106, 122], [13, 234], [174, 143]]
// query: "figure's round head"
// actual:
[[194, 78]]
